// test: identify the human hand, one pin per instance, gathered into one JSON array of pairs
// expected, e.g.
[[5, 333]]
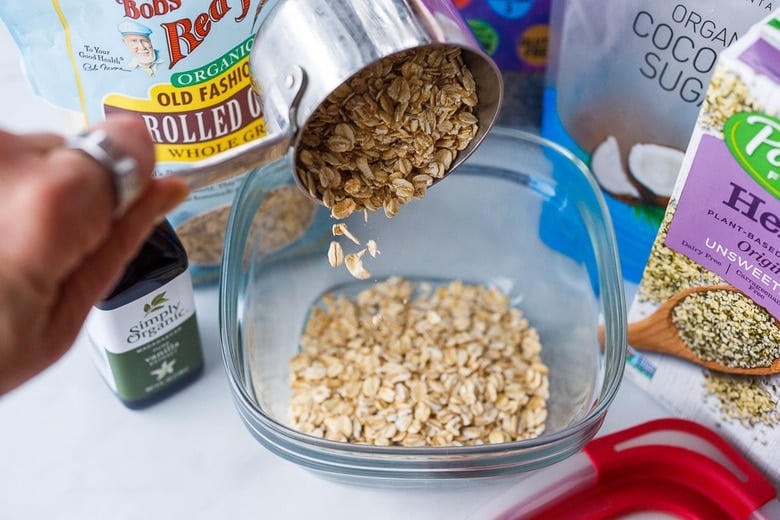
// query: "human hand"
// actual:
[[61, 247]]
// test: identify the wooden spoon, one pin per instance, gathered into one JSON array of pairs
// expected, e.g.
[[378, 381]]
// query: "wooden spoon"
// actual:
[[657, 333]]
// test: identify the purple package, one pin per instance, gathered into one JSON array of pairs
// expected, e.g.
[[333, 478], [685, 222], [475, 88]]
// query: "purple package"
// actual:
[[514, 33]]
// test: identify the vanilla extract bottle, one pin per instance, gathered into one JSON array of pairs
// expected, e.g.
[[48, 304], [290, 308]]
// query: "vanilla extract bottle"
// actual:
[[144, 334]]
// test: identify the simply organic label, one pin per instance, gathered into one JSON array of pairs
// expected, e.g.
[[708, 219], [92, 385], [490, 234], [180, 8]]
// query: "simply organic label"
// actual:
[[150, 342]]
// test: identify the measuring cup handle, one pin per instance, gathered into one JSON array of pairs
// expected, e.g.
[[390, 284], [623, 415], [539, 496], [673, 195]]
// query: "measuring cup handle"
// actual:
[[283, 95]]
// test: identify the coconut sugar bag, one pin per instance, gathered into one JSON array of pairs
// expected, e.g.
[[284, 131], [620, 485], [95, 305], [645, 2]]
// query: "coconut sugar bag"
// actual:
[[182, 67], [625, 83]]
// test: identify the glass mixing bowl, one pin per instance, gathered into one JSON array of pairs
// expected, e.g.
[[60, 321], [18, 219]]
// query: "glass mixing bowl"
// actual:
[[522, 214]]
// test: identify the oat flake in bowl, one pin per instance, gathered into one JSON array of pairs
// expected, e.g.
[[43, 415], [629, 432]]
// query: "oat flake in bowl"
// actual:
[[419, 365]]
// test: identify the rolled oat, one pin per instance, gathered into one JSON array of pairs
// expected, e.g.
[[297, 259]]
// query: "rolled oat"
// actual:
[[383, 136], [335, 254], [284, 216], [417, 365], [203, 235]]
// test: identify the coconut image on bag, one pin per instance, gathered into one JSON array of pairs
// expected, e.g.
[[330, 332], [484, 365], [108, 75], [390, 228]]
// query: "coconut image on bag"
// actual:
[[182, 67], [625, 83]]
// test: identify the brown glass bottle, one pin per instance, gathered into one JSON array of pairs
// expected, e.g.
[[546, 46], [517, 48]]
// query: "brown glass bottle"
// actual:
[[145, 332]]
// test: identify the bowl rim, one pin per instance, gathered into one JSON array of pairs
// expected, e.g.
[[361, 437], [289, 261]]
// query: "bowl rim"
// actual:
[[280, 438]]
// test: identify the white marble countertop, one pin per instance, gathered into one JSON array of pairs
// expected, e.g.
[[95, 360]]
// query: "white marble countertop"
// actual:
[[70, 450]]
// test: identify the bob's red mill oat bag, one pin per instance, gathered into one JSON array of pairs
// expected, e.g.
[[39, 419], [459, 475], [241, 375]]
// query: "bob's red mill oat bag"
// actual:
[[182, 67]]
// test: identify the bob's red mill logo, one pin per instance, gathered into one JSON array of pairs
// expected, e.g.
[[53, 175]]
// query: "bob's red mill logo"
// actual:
[[186, 34]]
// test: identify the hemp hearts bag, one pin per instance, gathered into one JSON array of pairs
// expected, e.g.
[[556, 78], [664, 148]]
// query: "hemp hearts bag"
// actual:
[[716, 261], [182, 67]]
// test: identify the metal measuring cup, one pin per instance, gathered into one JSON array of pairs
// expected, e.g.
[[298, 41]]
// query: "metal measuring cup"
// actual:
[[305, 49]]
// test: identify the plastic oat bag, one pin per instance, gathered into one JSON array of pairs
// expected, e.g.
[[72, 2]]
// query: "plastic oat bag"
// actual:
[[625, 83], [714, 268], [182, 67]]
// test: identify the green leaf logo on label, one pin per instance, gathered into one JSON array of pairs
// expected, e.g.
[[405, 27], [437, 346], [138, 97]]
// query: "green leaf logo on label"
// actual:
[[157, 303], [753, 139]]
